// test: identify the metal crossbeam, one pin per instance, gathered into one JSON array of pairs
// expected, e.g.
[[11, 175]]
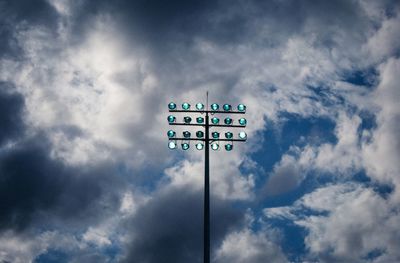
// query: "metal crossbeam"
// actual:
[[203, 140], [210, 111]]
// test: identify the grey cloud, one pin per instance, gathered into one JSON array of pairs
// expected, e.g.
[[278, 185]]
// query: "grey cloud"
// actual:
[[36, 11], [12, 13], [32, 184], [169, 228], [11, 110], [185, 45], [286, 176]]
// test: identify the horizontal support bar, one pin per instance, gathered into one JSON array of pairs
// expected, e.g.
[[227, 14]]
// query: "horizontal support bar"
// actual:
[[203, 140], [187, 139], [227, 140], [210, 111], [187, 124], [225, 125], [210, 125]]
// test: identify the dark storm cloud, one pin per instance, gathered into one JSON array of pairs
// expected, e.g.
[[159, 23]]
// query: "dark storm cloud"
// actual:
[[31, 183], [8, 45], [35, 12], [31, 11], [169, 228], [11, 108], [162, 24]]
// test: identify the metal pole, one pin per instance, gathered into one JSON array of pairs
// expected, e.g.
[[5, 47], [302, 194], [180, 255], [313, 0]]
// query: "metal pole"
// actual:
[[207, 192]]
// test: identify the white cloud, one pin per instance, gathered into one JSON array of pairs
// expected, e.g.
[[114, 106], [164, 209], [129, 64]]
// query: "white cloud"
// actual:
[[384, 42], [246, 246], [110, 91], [382, 153], [95, 88], [226, 180], [355, 221], [21, 248], [97, 236]]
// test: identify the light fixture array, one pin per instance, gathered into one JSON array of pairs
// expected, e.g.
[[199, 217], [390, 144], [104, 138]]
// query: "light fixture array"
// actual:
[[214, 137]]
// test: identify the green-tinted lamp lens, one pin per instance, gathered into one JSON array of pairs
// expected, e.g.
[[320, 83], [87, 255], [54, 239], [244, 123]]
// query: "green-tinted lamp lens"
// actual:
[[241, 107], [171, 119], [185, 106], [228, 121], [200, 106], [187, 120], [171, 134], [200, 119], [199, 146], [242, 121], [172, 145], [215, 120], [215, 146], [214, 106], [186, 134], [172, 106], [200, 134], [227, 107], [242, 135], [215, 135], [228, 135], [185, 146], [228, 147]]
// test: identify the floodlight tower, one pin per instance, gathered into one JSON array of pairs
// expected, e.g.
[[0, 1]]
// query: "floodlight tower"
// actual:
[[204, 140]]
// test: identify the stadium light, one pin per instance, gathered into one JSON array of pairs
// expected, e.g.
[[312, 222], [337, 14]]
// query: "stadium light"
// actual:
[[185, 146], [206, 140], [215, 120], [171, 134], [228, 147], [200, 106], [172, 145]]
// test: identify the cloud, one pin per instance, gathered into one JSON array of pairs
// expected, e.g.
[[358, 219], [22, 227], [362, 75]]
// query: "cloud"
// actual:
[[33, 185], [381, 152], [348, 222], [83, 99], [286, 176], [246, 246], [171, 224], [11, 110]]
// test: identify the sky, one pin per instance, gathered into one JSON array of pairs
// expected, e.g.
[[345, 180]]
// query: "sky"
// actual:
[[85, 171]]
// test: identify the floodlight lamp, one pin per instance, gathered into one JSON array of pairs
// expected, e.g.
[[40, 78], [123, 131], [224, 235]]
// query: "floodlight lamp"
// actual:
[[172, 106], [228, 121], [214, 106], [199, 146], [215, 146], [200, 134], [185, 106], [227, 107], [241, 107], [185, 146], [171, 134], [228, 147], [228, 135], [242, 135], [186, 134], [200, 119], [200, 106], [187, 119], [171, 119], [215, 135], [215, 120], [242, 121], [172, 145]]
